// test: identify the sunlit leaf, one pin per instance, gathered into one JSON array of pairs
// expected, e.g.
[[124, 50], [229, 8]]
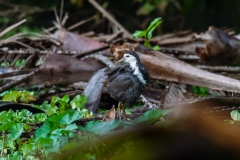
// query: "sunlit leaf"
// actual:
[[4, 127], [156, 48], [78, 101], [11, 97], [139, 34], [153, 25], [235, 115]]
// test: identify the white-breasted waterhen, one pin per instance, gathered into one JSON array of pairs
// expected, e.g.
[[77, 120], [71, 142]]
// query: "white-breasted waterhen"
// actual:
[[125, 82]]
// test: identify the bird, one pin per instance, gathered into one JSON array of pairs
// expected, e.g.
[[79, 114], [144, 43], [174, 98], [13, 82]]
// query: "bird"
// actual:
[[125, 82]]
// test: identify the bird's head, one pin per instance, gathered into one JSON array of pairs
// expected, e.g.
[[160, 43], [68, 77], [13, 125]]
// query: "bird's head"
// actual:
[[129, 57], [138, 69]]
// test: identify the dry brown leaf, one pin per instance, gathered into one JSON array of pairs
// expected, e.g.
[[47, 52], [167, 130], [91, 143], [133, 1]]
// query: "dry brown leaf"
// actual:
[[74, 42], [110, 115]]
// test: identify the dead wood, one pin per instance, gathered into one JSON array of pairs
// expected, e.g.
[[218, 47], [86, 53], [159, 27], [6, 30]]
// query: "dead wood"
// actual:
[[14, 83], [110, 18], [220, 47], [61, 69], [164, 67]]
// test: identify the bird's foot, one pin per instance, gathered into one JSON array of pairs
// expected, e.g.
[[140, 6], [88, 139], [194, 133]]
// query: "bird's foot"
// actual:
[[147, 103]]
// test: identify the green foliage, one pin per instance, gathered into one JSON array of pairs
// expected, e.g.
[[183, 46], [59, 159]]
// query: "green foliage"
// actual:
[[200, 91], [18, 96], [57, 129], [58, 132], [23, 116], [12, 125], [95, 131], [147, 34], [4, 64], [61, 105], [101, 128], [20, 62]]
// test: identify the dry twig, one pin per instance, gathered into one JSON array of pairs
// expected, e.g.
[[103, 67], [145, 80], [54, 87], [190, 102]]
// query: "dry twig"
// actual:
[[110, 18]]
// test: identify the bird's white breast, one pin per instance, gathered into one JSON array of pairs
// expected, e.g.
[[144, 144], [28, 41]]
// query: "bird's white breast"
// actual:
[[135, 68]]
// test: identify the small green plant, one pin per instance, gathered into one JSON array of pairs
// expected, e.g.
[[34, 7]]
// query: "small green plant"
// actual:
[[61, 105], [201, 91], [147, 34], [18, 96], [19, 62]]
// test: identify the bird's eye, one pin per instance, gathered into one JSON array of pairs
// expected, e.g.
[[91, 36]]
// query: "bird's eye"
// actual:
[[127, 56]]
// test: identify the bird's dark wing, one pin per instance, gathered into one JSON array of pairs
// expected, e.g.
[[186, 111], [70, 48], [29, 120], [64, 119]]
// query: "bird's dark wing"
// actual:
[[125, 88], [112, 71], [111, 74], [121, 83], [118, 69]]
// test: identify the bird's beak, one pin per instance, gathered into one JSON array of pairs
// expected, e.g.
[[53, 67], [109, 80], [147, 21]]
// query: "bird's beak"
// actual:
[[120, 61]]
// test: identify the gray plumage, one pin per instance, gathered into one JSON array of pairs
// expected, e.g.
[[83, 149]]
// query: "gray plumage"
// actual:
[[124, 83]]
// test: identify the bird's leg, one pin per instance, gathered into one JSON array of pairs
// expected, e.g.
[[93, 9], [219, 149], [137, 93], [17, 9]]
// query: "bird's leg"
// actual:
[[147, 103], [119, 110], [121, 107]]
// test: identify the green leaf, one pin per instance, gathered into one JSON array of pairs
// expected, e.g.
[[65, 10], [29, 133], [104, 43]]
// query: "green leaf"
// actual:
[[65, 98], [63, 101], [45, 129], [78, 102], [151, 116], [71, 116], [195, 89], [156, 48], [54, 101], [13, 96], [16, 130], [153, 26], [26, 96], [25, 148], [202, 89], [104, 127], [147, 44], [40, 117], [71, 127], [15, 156], [4, 127], [139, 34], [20, 62], [235, 115]]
